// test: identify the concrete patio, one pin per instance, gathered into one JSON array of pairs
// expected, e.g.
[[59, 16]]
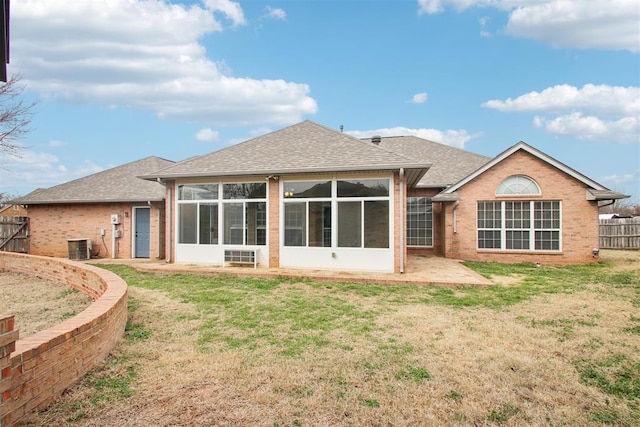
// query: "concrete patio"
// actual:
[[421, 270]]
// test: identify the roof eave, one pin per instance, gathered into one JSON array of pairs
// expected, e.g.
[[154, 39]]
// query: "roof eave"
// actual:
[[80, 201], [600, 196], [277, 172], [446, 197]]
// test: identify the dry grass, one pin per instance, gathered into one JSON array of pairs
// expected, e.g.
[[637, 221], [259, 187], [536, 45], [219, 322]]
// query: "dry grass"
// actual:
[[38, 304], [390, 357]]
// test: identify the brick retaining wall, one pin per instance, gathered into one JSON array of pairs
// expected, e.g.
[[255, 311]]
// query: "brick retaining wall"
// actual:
[[37, 369]]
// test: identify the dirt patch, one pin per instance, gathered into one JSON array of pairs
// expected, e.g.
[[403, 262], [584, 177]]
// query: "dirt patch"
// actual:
[[38, 304]]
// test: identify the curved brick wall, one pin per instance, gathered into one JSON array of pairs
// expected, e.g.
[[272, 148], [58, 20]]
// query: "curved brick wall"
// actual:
[[36, 370]]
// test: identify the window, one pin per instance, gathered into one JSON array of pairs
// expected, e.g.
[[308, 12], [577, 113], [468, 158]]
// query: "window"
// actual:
[[295, 224], [361, 210], [419, 221], [197, 219], [363, 213], [307, 218], [518, 185], [244, 218], [519, 225], [244, 215], [253, 190], [363, 188], [489, 225], [187, 230], [208, 223], [547, 225]]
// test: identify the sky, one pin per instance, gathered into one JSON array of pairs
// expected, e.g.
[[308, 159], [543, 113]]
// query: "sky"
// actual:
[[115, 81]]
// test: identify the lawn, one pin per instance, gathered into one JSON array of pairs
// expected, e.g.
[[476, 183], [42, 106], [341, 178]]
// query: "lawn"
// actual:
[[544, 346]]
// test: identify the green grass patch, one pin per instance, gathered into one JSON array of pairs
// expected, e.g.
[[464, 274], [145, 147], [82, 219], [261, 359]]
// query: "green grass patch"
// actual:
[[503, 413], [414, 373], [618, 375], [606, 416], [295, 316], [111, 383], [136, 331], [371, 403], [454, 395]]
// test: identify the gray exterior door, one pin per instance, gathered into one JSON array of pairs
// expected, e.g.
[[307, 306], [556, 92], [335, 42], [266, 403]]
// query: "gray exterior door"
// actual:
[[142, 232]]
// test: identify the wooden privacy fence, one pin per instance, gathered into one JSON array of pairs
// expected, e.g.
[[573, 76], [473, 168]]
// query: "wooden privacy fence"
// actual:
[[620, 233], [14, 234]]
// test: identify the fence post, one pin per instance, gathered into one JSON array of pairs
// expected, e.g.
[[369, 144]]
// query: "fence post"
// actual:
[[8, 338]]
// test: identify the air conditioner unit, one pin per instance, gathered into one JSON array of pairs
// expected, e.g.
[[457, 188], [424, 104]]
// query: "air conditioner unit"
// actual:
[[115, 219], [79, 249]]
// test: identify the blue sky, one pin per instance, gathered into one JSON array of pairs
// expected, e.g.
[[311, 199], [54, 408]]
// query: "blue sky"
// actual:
[[119, 80]]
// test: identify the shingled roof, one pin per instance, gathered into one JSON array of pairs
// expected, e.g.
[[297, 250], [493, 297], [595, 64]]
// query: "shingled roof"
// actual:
[[305, 147], [449, 164], [119, 184]]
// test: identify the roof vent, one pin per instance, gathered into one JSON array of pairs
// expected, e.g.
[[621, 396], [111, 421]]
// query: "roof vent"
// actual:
[[376, 139]]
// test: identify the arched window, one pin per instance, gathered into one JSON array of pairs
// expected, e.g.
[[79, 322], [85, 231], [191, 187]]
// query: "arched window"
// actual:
[[518, 185]]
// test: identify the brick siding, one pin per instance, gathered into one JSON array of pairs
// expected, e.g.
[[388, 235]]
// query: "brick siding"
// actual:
[[274, 222], [51, 226], [42, 366], [579, 227]]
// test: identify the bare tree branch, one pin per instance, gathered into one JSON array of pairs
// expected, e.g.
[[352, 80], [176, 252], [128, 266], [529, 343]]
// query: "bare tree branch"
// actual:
[[15, 116]]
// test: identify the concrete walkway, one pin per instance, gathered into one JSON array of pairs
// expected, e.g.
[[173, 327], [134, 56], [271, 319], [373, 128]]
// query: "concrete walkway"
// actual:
[[421, 270]]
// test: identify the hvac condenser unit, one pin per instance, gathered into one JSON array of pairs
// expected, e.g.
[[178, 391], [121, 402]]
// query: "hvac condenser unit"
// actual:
[[79, 249]]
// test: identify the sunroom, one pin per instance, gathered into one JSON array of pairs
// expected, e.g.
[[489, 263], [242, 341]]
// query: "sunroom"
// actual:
[[220, 222], [343, 222]]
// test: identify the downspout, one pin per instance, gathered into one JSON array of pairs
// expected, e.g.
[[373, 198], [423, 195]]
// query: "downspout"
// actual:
[[455, 216], [168, 227], [113, 241], [402, 225]]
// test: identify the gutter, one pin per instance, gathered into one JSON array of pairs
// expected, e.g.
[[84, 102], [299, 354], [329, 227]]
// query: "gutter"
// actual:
[[361, 168], [455, 216], [402, 222]]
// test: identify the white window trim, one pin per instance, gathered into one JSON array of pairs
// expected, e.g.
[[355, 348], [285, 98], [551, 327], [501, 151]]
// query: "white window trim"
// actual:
[[334, 199], [407, 223], [503, 230], [220, 201], [520, 194]]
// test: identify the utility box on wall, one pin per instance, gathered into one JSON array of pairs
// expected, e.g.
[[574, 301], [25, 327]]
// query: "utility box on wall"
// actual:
[[115, 219], [79, 249]]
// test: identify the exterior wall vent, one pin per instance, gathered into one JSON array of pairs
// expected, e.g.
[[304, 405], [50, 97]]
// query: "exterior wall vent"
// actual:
[[376, 139]]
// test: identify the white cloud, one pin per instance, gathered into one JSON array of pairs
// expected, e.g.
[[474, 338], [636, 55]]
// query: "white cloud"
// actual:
[[275, 13], [484, 21], [54, 143], [627, 183], [578, 126], [419, 98], [151, 59], [259, 132], [207, 135], [583, 24], [454, 138], [617, 180], [606, 99], [31, 169], [593, 112], [230, 9]]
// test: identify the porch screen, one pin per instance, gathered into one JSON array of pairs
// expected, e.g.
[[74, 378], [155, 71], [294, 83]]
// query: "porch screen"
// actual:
[[307, 213], [198, 214]]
